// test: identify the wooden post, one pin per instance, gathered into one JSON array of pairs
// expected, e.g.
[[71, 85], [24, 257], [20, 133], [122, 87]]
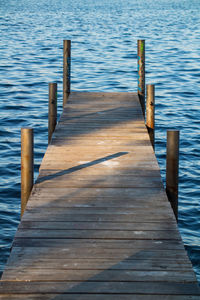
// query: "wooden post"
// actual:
[[150, 112], [172, 169], [66, 69], [52, 109], [27, 167], [141, 73]]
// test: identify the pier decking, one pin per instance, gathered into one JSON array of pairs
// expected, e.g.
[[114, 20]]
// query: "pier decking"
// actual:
[[98, 224]]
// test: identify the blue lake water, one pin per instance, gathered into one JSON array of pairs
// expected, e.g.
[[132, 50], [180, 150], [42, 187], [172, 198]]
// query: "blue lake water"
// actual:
[[104, 37]]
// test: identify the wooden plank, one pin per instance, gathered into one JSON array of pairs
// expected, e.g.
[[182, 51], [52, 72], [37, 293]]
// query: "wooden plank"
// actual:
[[72, 166], [102, 123], [120, 113], [70, 216], [85, 169], [103, 161], [116, 115], [95, 96], [97, 214], [99, 211], [137, 152], [159, 288], [121, 159], [99, 275], [135, 168], [88, 126], [100, 151], [101, 141], [155, 264], [64, 250], [72, 197], [100, 181], [98, 226], [98, 234], [144, 245], [84, 124], [83, 202], [98, 137], [125, 194], [102, 105], [66, 201], [96, 296]]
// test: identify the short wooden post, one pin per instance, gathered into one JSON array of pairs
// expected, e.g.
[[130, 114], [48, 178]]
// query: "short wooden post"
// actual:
[[52, 109], [141, 73], [27, 167], [172, 166], [150, 112], [66, 70]]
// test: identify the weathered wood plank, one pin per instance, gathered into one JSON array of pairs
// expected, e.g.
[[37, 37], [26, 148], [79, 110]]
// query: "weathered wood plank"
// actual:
[[116, 212], [96, 296], [98, 226], [71, 165], [78, 127], [99, 138], [153, 264], [102, 141], [145, 245], [98, 234], [64, 250], [82, 202], [101, 154], [100, 151], [102, 123], [69, 180], [98, 275], [97, 214], [119, 113], [95, 96], [159, 288], [67, 165], [54, 215], [66, 201], [125, 194]]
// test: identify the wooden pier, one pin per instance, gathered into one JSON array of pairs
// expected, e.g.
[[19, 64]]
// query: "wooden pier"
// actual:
[[98, 224]]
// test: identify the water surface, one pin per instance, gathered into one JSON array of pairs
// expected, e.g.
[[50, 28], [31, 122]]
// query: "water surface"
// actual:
[[104, 35]]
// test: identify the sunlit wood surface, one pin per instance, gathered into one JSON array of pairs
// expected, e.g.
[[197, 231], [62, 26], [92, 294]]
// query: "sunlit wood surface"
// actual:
[[98, 224]]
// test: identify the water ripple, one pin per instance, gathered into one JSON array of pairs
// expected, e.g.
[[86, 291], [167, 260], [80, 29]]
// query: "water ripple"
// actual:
[[104, 35]]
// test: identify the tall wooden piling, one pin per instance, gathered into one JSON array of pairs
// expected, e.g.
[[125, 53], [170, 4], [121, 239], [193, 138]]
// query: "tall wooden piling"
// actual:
[[66, 70], [150, 112], [172, 166], [141, 73], [27, 167], [52, 109]]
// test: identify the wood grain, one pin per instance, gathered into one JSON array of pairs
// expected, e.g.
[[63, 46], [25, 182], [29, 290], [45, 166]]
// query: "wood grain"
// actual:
[[98, 224]]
